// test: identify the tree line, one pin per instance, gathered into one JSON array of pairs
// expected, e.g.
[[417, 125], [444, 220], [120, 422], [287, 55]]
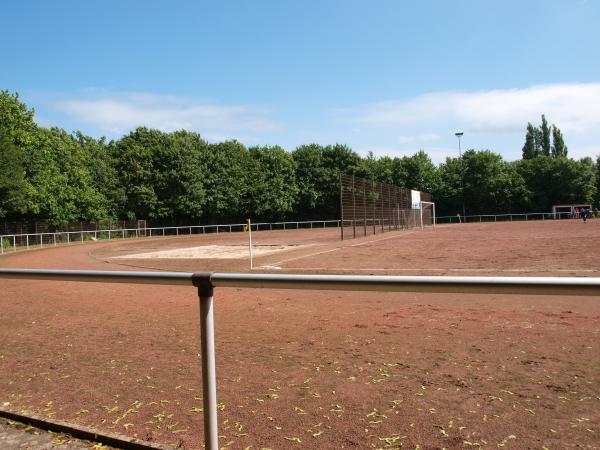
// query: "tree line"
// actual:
[[48, 174]]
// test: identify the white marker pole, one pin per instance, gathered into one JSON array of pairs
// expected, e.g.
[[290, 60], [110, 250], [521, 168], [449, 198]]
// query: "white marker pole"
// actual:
[[249, 225]]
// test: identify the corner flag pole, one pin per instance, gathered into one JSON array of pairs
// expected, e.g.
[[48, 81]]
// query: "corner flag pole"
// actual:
[[249, 226]]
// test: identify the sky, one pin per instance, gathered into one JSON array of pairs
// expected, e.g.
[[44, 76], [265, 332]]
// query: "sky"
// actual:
[[391, 77]]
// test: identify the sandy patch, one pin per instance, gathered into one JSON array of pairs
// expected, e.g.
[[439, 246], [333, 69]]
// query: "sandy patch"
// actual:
[[212, 252]]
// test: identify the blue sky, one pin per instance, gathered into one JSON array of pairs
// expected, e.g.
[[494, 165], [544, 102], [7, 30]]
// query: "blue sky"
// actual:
[[390, 77]]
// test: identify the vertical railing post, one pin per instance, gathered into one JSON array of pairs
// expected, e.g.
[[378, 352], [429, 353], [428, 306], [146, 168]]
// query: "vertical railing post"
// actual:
[[364, 183], [341, 207], [353, 209], [209, 378]]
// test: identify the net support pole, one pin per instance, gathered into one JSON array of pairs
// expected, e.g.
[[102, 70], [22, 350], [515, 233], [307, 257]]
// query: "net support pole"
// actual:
[[421, 214], [209, 377]]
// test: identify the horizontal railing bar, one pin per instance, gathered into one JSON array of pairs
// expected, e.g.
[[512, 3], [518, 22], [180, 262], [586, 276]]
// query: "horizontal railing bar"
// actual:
[[441, 284], [102, 276]]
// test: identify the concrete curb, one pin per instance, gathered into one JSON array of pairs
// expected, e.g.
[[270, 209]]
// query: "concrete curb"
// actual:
[[81, 432]]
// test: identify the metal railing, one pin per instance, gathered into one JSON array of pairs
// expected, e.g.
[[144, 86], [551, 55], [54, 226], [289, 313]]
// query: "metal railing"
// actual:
[[207, 282], [504, 217], [25, 241]]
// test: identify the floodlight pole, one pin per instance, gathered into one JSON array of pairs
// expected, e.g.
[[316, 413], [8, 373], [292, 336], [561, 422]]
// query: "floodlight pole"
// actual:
[[462, 174]]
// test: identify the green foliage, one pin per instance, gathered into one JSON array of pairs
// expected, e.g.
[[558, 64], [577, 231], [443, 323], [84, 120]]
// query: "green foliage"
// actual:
[[420, 172], [318, 170], [529, 148], [309, 176], [558, 147], [6, 243], [554, 181], [274, 193], [537, 141], [51, 175], [13, 184], [545, 134]]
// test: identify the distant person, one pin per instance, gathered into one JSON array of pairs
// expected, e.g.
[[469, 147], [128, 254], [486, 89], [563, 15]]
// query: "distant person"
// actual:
[[576, 213], [584, 214]]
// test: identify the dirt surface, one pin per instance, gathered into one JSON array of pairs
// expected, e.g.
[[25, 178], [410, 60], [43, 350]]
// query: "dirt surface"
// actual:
[[318, 370]]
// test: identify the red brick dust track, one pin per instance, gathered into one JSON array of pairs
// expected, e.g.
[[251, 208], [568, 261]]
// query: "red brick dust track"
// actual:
[[310, 369]]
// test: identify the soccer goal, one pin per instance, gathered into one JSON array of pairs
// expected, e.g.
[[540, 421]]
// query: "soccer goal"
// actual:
[[427, 214], [569, 211]]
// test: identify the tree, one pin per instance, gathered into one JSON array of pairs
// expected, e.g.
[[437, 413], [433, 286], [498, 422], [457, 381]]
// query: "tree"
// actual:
[[449, 196], [133, 156], [545, 134], [16, 120], [553, 181], [100, 161], [529, 148], [537, 134], [318, 172], [559, 149], [227, 180], [309, 177], [13, 185], [421, 173], [274, 189], [337, 159]]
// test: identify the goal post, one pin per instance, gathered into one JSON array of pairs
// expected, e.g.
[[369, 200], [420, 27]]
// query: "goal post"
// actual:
[[427, 213]]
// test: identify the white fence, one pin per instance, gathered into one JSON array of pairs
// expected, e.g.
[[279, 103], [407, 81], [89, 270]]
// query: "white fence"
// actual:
[[504, 217], [14, 242]]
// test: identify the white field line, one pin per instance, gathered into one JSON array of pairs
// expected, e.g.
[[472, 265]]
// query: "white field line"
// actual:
[[275, 265]]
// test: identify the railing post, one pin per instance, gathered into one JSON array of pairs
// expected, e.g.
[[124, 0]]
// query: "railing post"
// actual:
[[209, 378]]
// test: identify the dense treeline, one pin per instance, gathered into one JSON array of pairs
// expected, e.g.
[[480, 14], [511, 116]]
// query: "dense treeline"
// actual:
[[176, 178]]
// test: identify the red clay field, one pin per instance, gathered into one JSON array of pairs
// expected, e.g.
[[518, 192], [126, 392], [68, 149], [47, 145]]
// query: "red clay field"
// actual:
[[317, 369]]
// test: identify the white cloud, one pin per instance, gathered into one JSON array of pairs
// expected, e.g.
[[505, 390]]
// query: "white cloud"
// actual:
[[120, 112], [577, 152], [426, 137], [573, 107]]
